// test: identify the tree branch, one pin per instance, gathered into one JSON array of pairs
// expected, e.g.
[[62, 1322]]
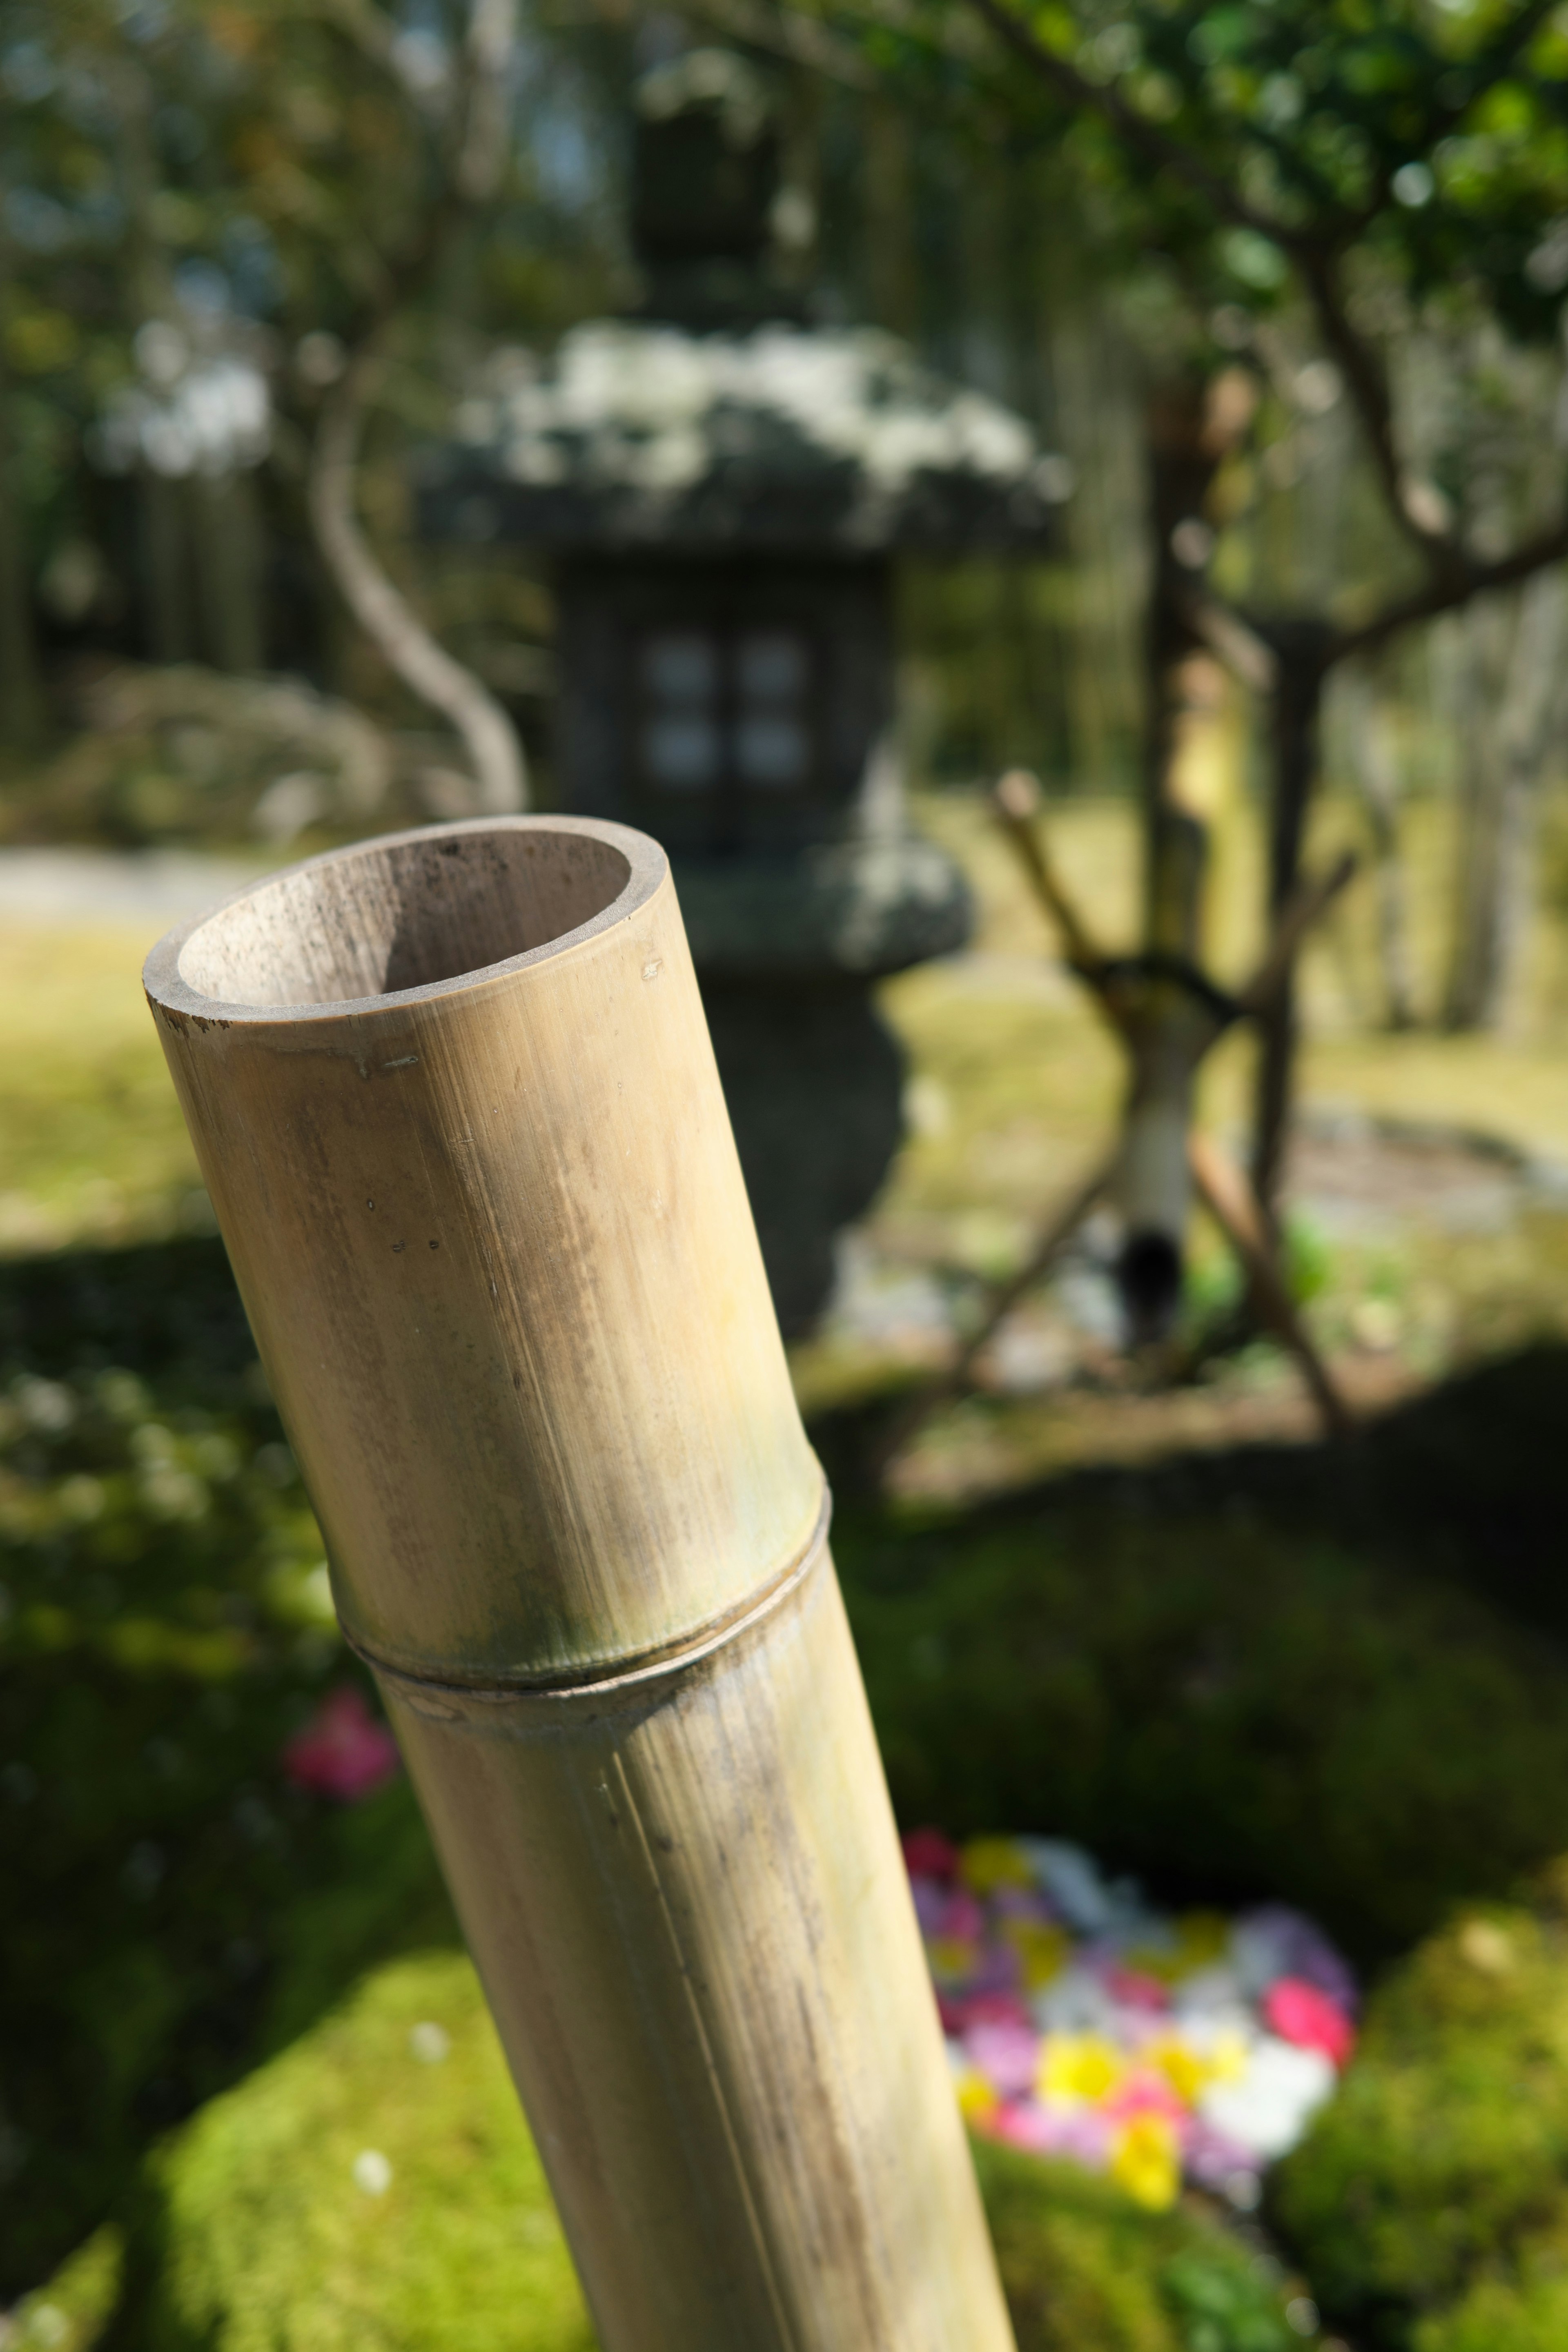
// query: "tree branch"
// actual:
[[474, 165], [385, 616], [1491, 64], [1448, 594], [1157, 146], [1314, 257], [1368, 389]]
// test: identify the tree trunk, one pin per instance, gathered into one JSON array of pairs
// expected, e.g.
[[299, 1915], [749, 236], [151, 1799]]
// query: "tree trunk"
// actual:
[[228, 567], [22, 711], [1511, 689], [22, 716], [1153, 1184], [501, 774], [1376, 770], [891, 269], [169, 635], [1294, 724]]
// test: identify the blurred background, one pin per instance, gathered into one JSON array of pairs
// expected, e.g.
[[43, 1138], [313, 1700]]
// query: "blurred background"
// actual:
[[770, 426]]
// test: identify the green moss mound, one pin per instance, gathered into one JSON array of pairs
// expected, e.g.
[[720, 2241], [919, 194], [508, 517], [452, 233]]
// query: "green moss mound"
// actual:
[[1228, 1677], [375, 2188], [1430, 2202], [1235, 1706], [1088, 2271]]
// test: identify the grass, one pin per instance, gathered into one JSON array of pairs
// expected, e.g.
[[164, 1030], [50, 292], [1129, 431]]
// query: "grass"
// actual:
[[93, 1146]]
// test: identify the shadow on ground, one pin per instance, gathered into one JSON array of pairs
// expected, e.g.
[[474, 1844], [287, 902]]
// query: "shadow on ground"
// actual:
[[1331, 1677]]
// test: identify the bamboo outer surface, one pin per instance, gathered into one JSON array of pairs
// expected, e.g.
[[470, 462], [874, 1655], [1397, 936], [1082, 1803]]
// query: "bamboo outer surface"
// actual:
[[454, 1103]]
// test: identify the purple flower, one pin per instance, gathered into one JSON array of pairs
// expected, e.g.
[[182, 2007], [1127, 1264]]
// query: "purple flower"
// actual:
[[1275, 1941], [930, 1905]]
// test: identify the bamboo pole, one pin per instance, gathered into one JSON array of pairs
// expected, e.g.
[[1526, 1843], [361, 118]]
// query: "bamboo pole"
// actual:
[[454, 1099]]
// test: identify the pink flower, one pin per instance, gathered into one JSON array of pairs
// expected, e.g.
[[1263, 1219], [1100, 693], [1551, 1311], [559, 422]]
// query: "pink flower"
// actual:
[[1297, 2012], [962, 1919], [342, 1752], [929, 1854], [1142, 2092], [1084, 2136], [1007, 2055]]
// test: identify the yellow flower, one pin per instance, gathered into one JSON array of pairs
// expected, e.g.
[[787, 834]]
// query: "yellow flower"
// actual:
[[1042, 1950], [1146, 2162], [951, 1959], [977, 2101], [987, 1863], [1227, 2060], [1186, 2069], [1079, 2066]]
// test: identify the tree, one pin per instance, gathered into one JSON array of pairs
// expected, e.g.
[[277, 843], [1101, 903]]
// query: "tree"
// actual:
[[351, 195], [1371, 166]]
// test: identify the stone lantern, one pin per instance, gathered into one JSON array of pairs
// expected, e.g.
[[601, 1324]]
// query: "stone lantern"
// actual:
[[723, 489]]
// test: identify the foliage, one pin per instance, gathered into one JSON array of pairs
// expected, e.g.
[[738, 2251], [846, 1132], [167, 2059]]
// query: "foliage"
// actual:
[[1226, 1702], [187, 755], [336, 2196], [200, 201], [173, 1905], [1189, 1678], [1084, 2267], [1430, 2201]]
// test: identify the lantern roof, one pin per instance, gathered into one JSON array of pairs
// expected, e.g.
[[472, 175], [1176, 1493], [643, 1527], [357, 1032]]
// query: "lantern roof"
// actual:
[[778, 437]]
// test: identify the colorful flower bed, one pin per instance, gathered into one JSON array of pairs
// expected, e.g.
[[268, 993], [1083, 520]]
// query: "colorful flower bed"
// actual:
[[1082, 2023]]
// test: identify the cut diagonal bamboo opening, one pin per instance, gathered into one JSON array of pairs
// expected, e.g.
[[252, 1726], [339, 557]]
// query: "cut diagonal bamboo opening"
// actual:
[[455, 1102]]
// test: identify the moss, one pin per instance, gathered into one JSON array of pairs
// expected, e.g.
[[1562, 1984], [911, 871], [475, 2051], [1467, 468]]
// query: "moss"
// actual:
[[1183, 1667], [264, 2228], [375, 2185], [1088, 2271], [72, 2313], [174, 1909], [1229, 1703], [1430, 2202]]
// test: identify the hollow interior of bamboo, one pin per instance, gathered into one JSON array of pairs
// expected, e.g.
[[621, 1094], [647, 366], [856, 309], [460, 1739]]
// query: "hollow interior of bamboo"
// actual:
[[405, 914]]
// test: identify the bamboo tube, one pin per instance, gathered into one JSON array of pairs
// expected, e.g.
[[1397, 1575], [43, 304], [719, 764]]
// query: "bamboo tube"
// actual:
[[454, 1103]]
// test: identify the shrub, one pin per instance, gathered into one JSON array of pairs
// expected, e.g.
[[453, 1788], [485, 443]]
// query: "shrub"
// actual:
[[1430, 2200]]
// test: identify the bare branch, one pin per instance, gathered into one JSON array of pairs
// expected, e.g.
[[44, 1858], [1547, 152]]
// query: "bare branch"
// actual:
[[476, 166], [1017, 800], [1368, 389], [955, 1377], [1448, 593], [1311, 900], [1249, 657], [481, 160], [1231, 1202], [385, 616]]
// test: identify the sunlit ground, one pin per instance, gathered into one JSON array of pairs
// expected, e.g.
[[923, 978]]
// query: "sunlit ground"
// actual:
[[1416, 1262], [1422, 1253]]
